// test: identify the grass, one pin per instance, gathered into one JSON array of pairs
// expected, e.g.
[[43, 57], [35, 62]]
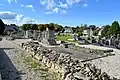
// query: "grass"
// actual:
[[65, 38], [46, 74]]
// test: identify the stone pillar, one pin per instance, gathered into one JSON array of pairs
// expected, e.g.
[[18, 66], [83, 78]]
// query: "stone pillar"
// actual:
[[35, 34], [26, 34]]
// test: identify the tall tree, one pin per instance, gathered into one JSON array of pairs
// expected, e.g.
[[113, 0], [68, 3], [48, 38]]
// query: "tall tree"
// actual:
[[80, 30], [12, 25], [114, 29], [51, 26], [93, 27], [74, 29], [26, 27], [105, 30], [2, 27], [34, 27], [41, 27], [58, 27]]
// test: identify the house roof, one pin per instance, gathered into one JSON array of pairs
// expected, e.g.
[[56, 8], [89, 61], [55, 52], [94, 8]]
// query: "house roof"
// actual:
[[11, 28]]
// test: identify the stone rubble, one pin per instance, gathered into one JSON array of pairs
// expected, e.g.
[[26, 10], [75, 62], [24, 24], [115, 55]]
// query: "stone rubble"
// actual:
[[69, 67]]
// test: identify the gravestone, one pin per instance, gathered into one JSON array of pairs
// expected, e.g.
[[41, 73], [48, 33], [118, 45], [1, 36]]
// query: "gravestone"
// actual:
[[112, 40], [35, 34], [75, 37], [39, 36]]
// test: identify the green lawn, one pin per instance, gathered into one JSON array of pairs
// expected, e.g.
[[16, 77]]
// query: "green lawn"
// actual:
[[65, 38]]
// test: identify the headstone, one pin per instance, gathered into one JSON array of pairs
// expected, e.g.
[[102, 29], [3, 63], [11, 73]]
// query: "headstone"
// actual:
[[75, 37], [35, 34]]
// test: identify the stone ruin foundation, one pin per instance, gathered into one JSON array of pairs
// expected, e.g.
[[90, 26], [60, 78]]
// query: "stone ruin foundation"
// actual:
[[69, 67]]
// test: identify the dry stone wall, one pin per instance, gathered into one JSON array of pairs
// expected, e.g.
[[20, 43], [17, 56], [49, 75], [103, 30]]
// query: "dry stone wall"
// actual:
[[91, 51], [69, 67]]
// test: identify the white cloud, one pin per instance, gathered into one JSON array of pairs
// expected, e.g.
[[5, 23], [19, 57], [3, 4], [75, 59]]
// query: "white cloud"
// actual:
[[49, 12], [7, 15], [70, 2], [63, 12], [85, 5], [56, 10], [50, 4], [14, 18], [59, 5], [28, 6], [22, 5], [10, 1], [62, 5]]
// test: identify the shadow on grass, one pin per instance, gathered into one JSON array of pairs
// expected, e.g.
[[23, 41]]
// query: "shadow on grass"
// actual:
[[7, 69]]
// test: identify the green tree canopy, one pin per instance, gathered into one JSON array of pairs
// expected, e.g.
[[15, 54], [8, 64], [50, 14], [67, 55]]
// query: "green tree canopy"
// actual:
[[93, 27], [51, 26], [58, 27], [114, 29], [105, 30], [34, 27], [79, 30], [41, 27], [25, 27], [2, 27]]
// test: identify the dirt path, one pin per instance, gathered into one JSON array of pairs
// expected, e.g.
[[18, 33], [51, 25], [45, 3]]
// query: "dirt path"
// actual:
[[15, 64]]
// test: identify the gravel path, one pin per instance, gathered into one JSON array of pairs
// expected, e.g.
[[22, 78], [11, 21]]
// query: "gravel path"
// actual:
[[15, 64], [110, 64]]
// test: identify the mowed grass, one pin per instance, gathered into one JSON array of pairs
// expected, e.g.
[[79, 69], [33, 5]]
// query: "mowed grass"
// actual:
[[65, 38]]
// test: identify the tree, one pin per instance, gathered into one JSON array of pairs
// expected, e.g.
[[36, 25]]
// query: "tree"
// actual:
[[63, 30], [58, 27], [95, 33], [74, 29], [2, 27], [12, 25], [93, 27], [114, 29], [24, 27], [80, 30], [105, 30], [34, 27], [41, 27], [66, 27], [51, 26], [46, 26]]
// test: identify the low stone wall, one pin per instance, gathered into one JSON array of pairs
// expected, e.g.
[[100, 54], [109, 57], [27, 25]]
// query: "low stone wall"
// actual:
[[91, 51], [69, 67]]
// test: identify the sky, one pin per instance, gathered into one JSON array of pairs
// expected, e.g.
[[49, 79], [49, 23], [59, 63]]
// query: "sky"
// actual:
[[64, 12]]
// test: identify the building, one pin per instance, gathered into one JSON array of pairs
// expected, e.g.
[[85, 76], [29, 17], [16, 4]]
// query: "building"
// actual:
[[100, 31], [68, 30], [88, 33], [11, 28]]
